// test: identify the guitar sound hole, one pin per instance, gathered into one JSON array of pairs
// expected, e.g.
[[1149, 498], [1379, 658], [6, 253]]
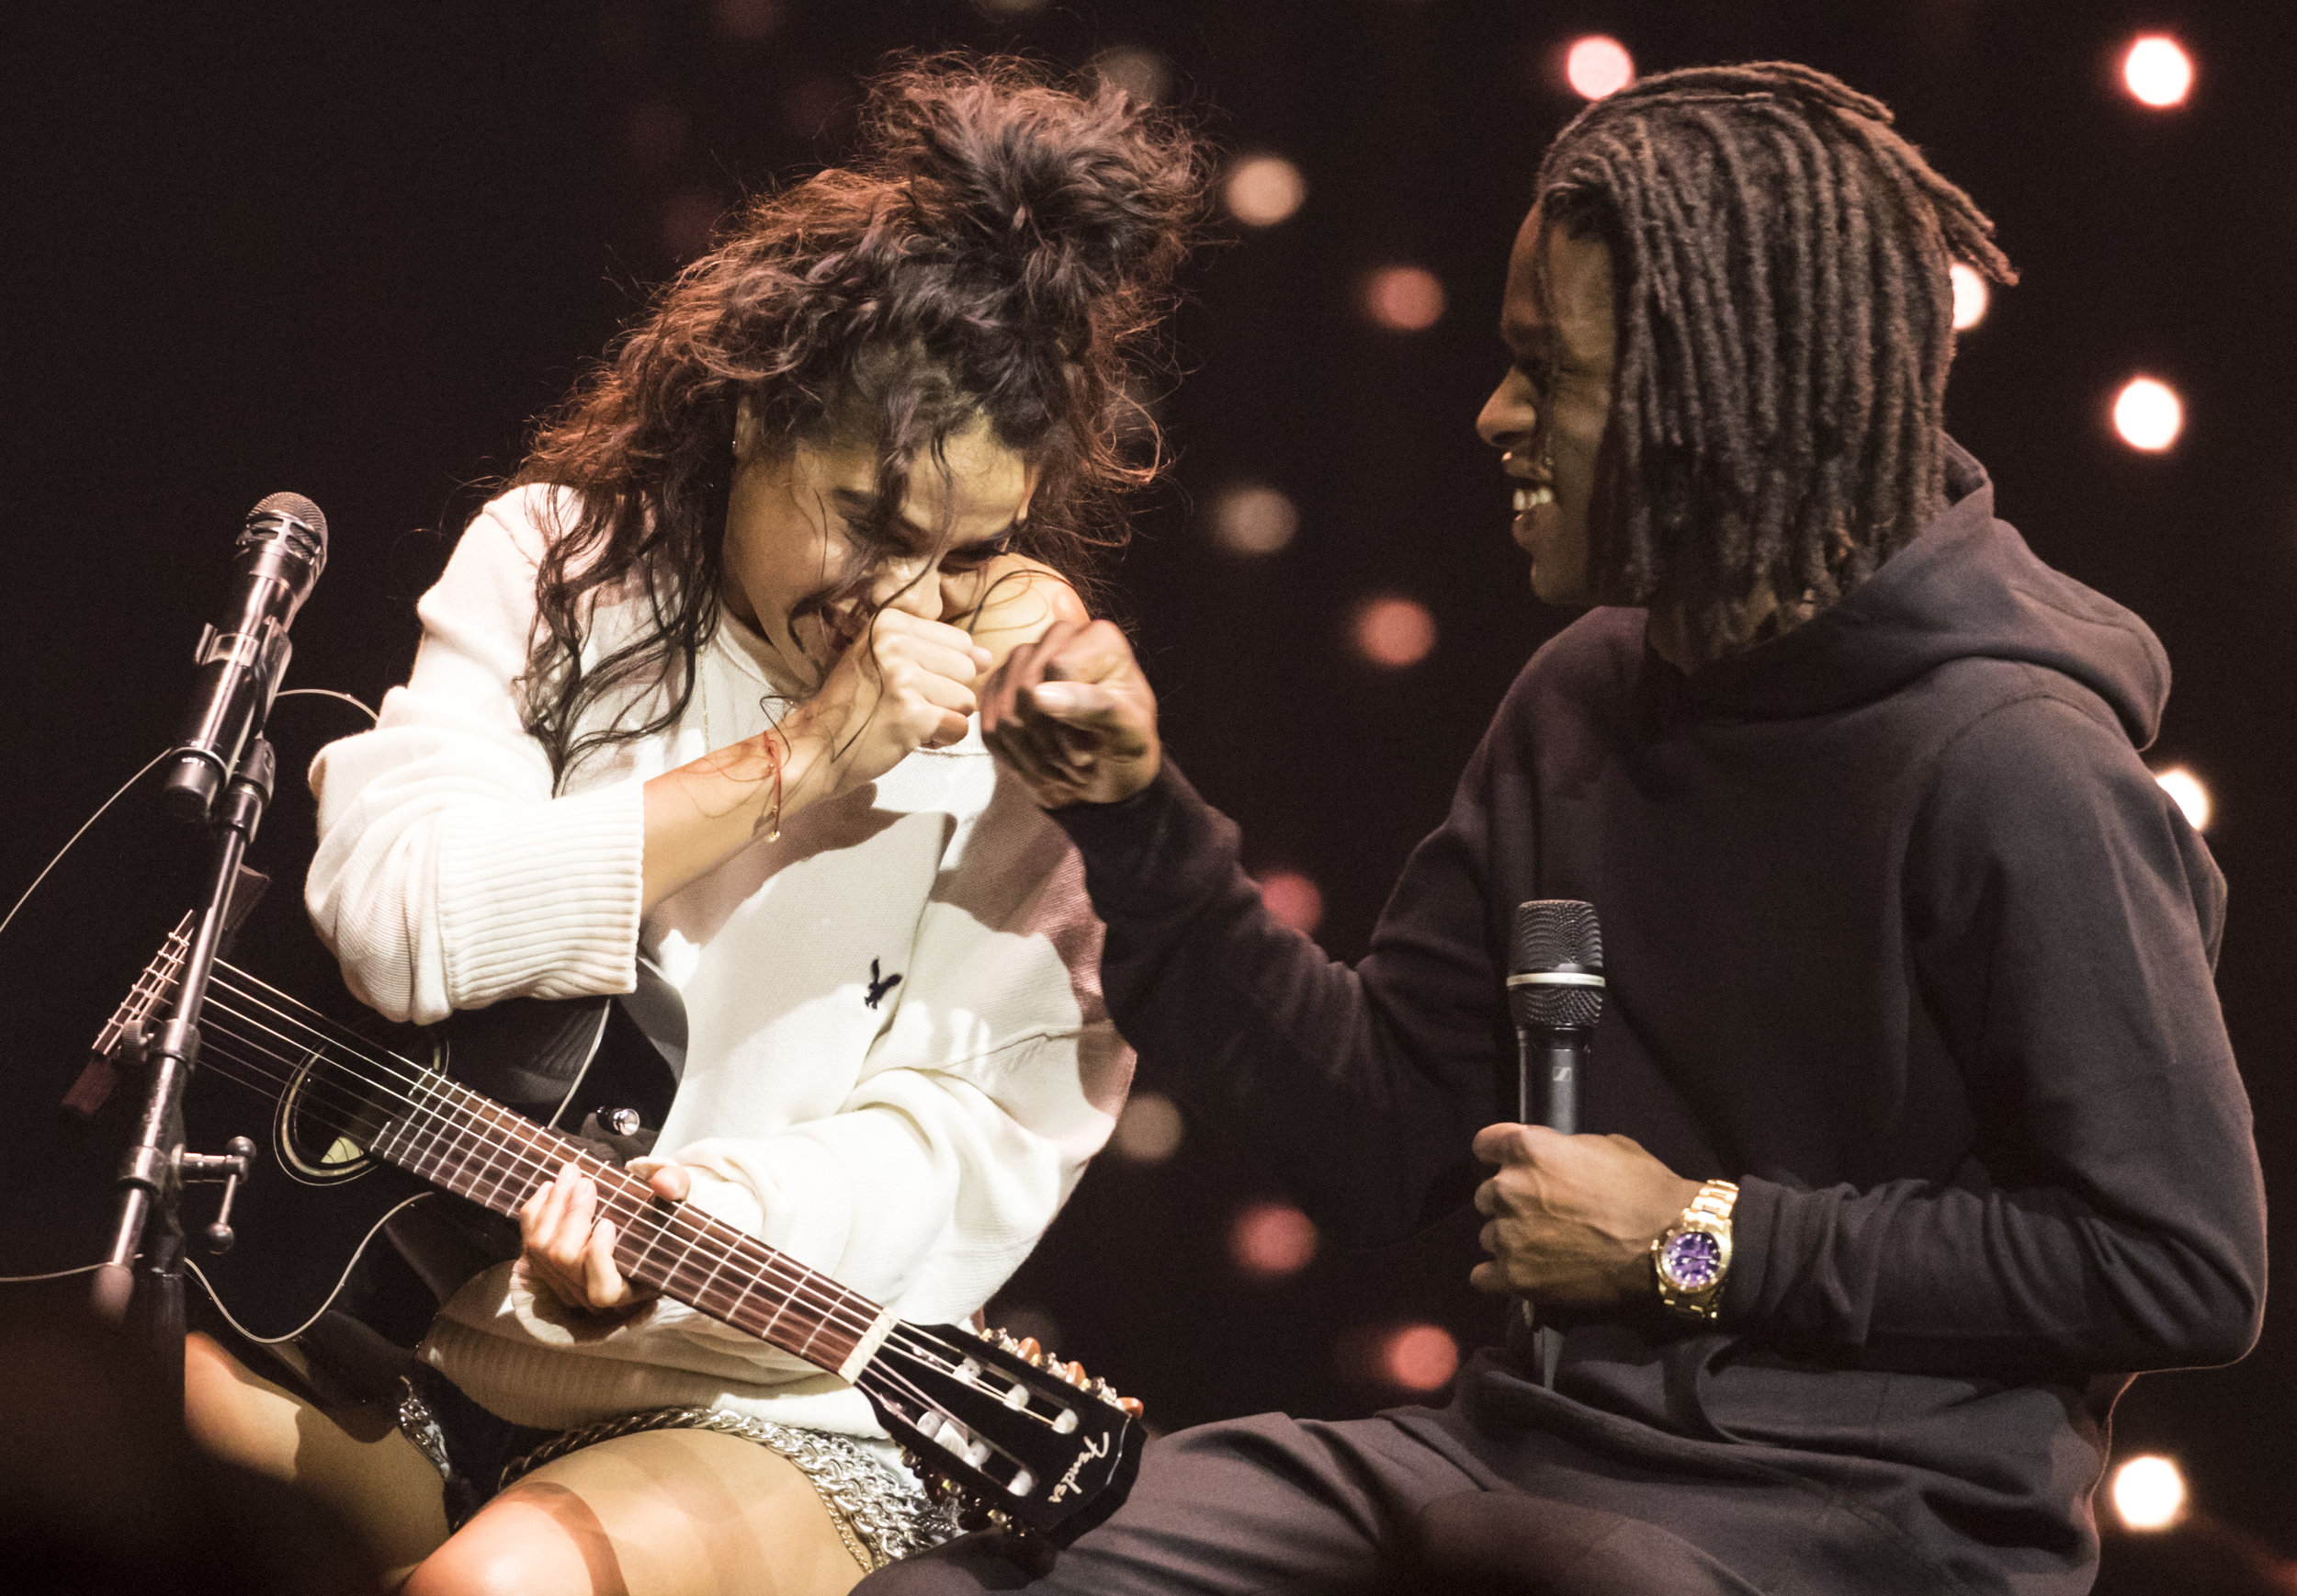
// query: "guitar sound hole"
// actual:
[[326, 1119]]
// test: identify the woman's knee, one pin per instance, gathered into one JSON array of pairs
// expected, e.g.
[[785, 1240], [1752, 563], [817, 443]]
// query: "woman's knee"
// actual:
[[236, 1414], [531, 1544]]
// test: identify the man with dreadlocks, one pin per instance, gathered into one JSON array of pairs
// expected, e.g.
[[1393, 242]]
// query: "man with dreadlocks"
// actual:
[[1922, 1130]]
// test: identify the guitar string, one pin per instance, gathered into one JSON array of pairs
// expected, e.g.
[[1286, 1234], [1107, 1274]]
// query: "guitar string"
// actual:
[[357, 1042], [460, 1123], [456, 1136], [913, 1339], [908, 1339], [955, 1352]]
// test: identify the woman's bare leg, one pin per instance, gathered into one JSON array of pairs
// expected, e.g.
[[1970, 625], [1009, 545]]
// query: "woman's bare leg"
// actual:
[[666, 1513], [355, 1460]]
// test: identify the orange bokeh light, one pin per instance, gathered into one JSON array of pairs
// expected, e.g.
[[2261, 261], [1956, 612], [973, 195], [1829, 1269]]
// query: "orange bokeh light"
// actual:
[[1293, 898], [1395, 633], [1403, 299], [1421, 1357], [1270, 1240]]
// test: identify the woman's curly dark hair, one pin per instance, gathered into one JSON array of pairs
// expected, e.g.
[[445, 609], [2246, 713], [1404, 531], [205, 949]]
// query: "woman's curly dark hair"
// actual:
[[1000, 246]]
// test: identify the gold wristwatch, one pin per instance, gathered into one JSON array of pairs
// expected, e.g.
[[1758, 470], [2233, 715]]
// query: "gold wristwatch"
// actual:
[[1692, 1259]]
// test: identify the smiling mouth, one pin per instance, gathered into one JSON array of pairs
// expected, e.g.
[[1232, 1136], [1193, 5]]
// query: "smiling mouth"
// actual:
[[1531, 497]]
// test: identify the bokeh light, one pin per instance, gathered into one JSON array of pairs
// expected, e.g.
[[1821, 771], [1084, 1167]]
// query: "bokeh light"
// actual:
[[1263, 190], [2157, 72], [1252, 518], [1403, 299], [1971, 296], [689, 221], [656, 131], [1149, 1130], [2148, 1493], [1598, 65], [1138, 70], [2192, 796], [1293, 898], [1270, 1240], [1027, 1319], [745, 21], [818, 106], [2148, 415], [1394, 633], [1421, 1357]]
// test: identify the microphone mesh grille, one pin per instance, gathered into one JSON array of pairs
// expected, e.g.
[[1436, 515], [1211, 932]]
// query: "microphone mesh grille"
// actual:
[[1557, 934], [1553, 933], [296, 506], [1558, 1008]]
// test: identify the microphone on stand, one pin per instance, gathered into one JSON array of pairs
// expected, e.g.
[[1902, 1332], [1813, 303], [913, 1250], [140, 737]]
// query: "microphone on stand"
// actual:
[[281, 551], [1556, 997]]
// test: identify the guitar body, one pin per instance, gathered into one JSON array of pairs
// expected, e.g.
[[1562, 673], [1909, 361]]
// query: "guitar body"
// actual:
[[318, 1202]]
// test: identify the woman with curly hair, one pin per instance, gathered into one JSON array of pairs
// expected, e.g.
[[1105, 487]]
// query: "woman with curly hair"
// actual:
[[698, 689]]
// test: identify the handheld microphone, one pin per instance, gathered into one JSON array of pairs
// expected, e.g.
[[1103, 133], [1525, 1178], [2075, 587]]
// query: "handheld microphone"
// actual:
[[281, 551], [1556, 996]]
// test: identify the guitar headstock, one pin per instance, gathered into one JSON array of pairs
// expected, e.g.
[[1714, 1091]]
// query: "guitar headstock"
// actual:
[[1031, 1442]]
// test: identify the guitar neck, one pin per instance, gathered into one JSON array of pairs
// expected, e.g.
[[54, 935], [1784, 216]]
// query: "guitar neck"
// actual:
[[477, 1148]]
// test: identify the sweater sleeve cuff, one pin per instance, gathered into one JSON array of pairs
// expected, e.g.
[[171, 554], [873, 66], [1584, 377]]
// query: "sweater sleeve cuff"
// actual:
[[1755, 1220], [1163, 847], [544, 901]]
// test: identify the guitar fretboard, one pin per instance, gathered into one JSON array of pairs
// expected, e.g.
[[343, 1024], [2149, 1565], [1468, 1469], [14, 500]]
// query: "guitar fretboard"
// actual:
[[477, 1148]]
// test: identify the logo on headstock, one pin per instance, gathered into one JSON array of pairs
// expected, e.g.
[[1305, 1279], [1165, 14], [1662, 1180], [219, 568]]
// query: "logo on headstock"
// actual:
[[1067, 1483]]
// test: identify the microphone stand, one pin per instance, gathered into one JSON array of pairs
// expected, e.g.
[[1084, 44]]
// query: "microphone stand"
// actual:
[[152, 1170]]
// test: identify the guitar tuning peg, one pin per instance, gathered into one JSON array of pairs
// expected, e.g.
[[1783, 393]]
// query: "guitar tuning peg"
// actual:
[[1132, 1405], [1074, 1374], [1027, 1347]]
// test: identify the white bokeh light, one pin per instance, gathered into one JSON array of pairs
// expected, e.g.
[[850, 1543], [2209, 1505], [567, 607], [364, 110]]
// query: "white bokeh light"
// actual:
[[1149, 1130], [1263, 190], [2192, 797], [1252, 518], [1139, 72], [1971, 296], [2148, 1493], [2148, 415], [1596, 66], [2157, 72]]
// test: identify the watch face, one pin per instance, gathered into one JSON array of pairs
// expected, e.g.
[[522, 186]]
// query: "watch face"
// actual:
[[1692, 1260]]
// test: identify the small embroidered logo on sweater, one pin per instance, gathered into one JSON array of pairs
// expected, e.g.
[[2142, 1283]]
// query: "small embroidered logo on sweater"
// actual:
[[878, 989]]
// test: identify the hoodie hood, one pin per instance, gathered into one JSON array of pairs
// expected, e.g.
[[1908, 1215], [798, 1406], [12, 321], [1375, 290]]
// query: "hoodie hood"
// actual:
[[1966, 588]]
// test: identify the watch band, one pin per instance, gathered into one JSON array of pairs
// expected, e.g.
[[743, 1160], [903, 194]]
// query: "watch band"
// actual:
[[1692, 1258]]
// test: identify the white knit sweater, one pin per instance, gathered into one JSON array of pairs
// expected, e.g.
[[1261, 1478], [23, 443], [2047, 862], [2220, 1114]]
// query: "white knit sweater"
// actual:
[[914, 1150]]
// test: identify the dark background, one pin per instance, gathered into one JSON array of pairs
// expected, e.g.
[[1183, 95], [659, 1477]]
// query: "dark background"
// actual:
[[351, 251]]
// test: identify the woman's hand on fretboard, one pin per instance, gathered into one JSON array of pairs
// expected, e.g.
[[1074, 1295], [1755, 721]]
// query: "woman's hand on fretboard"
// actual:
[[571, 1250]]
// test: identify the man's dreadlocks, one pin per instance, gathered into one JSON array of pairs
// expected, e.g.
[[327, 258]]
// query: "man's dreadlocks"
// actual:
[[1785, 321]]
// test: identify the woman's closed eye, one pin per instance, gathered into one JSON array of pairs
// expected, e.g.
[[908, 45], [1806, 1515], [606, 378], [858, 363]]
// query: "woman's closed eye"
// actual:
[[973, 555]]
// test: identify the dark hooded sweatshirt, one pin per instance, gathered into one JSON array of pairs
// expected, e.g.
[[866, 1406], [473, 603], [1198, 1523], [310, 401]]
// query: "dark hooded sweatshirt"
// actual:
[[1901, 936]]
